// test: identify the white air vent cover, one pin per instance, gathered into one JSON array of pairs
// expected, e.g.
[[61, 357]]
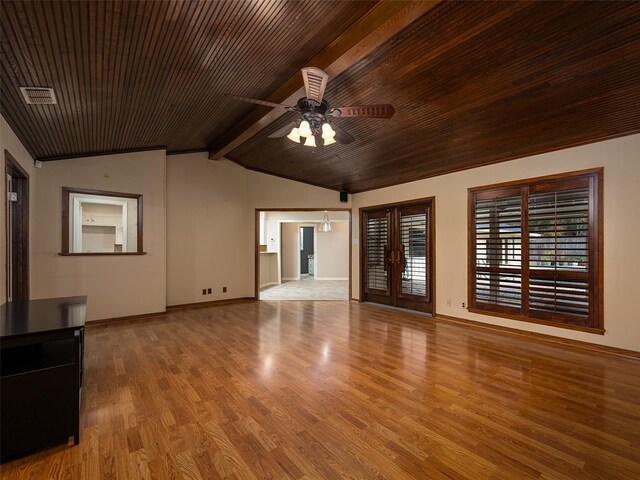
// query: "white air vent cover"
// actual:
[[38, 95]]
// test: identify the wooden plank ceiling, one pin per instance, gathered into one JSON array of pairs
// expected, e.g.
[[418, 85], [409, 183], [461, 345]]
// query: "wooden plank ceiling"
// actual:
[[142, 74], [473, 83]]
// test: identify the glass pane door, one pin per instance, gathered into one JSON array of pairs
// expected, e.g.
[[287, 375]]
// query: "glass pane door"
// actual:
[[413, 238], [377, 245], [397, 266]]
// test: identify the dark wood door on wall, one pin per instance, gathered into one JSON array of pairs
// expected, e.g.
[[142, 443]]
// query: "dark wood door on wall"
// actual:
[[17, 230], [397, 255]]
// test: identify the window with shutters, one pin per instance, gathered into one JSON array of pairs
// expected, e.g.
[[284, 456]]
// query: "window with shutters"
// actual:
[[535, 250]]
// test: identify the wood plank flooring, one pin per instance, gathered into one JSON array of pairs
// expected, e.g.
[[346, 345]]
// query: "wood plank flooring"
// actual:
[[330, 390]]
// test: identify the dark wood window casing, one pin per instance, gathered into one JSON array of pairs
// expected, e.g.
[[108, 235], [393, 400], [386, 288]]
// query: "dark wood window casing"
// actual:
[[66, 191], [535, 250]]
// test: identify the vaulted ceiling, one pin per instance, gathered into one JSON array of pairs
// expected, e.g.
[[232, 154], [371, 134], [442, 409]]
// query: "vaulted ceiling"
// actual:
[[472, 82]]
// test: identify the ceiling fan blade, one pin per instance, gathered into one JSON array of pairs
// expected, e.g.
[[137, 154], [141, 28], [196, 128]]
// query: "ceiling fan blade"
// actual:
[[315, 82], [281, 132], [256, 101], [383, 110], [342, 136]]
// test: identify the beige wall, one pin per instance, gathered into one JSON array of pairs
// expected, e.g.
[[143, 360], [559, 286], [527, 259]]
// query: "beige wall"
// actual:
[[132, 224], [311, 217], [332, 253], [207, 230], [98, 238], [101, 208], [290, 251], [116, 286], [268, 269], [9, 142], [621, 161], [267, 191]]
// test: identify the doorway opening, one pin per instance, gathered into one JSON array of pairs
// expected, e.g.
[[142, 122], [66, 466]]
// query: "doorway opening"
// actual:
[[307, 252], [17, 229], [300, 257], [397, 255]]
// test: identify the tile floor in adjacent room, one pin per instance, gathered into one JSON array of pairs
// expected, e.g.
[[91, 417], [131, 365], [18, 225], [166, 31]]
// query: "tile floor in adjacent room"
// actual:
[[307, 288]]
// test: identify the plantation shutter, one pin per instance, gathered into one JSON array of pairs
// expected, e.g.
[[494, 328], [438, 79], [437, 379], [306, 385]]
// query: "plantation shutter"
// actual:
[[413, 238], [377, 244], [535, 251], [498, 250], [559, 250]]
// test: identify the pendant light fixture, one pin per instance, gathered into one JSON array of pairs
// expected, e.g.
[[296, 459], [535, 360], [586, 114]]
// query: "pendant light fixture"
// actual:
[[325, 226]]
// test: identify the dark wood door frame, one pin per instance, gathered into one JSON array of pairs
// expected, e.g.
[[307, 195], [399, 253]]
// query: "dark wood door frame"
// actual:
[[18, 263], [432, 229], [256, 294]]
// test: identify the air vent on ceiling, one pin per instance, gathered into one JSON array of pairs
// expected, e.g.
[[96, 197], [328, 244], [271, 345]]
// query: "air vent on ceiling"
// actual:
[[38, 95]]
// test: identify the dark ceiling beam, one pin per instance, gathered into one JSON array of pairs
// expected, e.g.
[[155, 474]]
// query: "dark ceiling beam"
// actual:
[[382, 22]]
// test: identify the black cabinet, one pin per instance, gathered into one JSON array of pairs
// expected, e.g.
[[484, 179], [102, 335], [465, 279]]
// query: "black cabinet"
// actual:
[[42, 346]]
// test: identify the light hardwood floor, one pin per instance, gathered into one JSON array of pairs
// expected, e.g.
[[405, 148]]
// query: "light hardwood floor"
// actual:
[[329, 390]]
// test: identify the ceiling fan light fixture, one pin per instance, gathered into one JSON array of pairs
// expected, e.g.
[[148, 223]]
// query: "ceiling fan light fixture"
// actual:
[[304, 130], [327, 131], [315, 115], [294, 136]]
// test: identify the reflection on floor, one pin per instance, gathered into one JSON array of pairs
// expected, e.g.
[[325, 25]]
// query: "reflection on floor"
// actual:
[[307, 288]]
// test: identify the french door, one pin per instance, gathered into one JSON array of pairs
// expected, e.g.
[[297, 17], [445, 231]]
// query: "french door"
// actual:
[[397, 255]]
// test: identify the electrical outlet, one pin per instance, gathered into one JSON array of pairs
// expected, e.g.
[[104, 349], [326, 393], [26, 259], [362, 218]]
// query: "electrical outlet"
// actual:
[[208, 291], [448, 302], [224, 289], [204, 291], [464, 305]]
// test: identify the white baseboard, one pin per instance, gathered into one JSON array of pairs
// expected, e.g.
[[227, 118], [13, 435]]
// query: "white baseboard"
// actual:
[[332, 278], [290, 278], [268, 284]]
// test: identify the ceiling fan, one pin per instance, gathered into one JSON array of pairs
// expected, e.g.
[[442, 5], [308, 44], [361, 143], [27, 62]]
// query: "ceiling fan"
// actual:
[[316, 126]]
